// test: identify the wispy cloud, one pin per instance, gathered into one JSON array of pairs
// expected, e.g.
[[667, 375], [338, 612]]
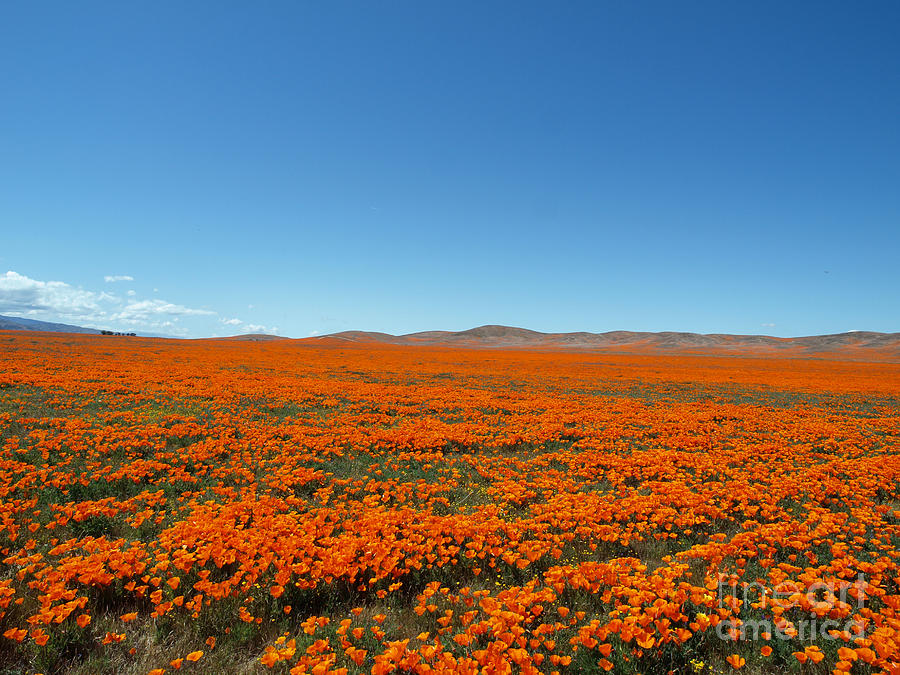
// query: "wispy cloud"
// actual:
[[54, 300], [259, 328], [767, 325], [21, 294], [143, 311], [249, 327], [112, 278]]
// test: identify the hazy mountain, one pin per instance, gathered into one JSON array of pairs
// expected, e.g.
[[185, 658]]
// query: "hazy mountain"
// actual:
[[862, 344], [19, 323], [508, 337]]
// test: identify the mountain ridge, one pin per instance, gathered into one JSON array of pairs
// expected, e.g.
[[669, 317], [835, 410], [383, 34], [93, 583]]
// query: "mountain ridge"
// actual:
[[497, 336], [851, 344], [21, 323]]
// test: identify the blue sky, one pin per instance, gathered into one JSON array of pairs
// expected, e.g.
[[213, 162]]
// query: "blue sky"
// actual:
[[402, 166]]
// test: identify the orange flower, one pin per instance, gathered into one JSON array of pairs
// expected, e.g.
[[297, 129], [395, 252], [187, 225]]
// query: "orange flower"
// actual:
[[736, 661], [17, 634], [270, 658], [814, 653], [847, 654], [350, 469]]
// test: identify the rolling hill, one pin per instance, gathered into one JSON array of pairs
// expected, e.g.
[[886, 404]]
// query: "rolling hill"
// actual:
[[19, 323], [864, 344]]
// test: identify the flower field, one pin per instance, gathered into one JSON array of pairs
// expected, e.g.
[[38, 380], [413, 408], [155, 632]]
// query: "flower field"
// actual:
[[227, 507]]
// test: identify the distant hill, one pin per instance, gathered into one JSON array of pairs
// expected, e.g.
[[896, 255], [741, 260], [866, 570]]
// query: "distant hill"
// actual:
[[862, 343], [18, 323], [253, 337]]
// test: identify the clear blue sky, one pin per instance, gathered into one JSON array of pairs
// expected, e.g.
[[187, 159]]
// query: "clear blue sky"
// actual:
[[401, 166]]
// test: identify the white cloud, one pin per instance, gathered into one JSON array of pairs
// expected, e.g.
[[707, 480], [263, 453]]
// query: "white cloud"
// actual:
[[249, 327], [143, 311], [21, 294], [112, 278], [258, 328], [171, 328], [767, 325], [59, 301]]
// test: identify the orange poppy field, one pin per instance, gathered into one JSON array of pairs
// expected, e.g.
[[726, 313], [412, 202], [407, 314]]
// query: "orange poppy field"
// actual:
[[225, 506]]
